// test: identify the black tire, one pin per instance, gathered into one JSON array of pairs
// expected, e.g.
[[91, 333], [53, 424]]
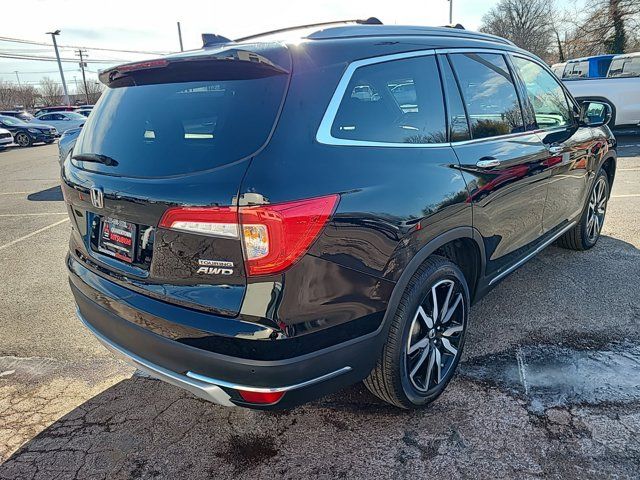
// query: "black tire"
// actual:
[[23, 140], [582, 237], [390, 380]]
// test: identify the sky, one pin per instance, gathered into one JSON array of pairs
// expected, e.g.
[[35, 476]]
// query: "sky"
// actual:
[[144, 25]]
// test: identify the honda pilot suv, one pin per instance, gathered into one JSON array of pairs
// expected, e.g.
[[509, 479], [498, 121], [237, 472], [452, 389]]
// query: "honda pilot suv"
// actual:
[[267, 220]]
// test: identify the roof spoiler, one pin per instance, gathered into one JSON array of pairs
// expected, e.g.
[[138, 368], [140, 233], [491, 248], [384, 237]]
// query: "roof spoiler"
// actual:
[[211, 39]]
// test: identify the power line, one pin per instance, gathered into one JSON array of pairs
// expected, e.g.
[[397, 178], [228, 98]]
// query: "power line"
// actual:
[[53, 59], [75, 47]]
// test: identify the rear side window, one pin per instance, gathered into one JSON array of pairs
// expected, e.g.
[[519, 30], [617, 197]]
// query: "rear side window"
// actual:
[[577, 70], [398, 101], [489, 94], [625, 67], [545, 94], [169, 129]]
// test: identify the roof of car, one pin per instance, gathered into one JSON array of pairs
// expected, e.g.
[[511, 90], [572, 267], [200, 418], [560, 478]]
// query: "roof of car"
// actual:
[[351, 31], [362, 34], [628, 55], [584, 59]]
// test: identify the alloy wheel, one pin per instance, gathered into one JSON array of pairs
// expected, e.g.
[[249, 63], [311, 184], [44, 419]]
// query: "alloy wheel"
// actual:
[[22, 140], [597, 208], [435, 336]]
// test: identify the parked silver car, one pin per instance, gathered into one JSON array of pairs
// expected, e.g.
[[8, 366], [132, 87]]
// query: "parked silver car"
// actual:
[[63, 121]]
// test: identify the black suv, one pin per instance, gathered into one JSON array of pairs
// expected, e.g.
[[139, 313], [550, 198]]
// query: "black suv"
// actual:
[[264, 221]]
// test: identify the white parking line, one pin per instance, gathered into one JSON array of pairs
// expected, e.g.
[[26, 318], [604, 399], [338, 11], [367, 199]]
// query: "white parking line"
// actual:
[[14, 193], [13, 242], [628, 169], [626, 195], [44, 214]]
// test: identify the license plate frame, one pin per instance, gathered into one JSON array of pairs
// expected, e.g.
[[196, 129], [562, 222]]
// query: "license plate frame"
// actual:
[[117, 239]]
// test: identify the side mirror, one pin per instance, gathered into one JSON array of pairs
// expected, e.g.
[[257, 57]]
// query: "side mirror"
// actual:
[[594, 114]]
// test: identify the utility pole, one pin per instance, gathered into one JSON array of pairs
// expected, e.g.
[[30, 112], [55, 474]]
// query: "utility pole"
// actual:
[[80, 52], [450, 12], [18, 77], [54, 34], [180, 37]]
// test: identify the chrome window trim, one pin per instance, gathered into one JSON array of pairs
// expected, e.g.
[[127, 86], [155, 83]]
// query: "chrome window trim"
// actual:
[[323, 135]]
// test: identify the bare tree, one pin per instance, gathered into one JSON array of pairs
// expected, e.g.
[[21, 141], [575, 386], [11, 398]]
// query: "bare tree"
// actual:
[[8, 94], [28, 96], [51, 92], [527, 23], [93, 91], [605, 26]]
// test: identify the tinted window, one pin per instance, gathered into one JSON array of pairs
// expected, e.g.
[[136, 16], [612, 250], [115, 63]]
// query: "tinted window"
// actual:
[[46, 117], [545, 94], [625, 67], [458, 126], [394, 102], [174, 128], [12, 121], [72, 116], [577, 70], [489, 94]]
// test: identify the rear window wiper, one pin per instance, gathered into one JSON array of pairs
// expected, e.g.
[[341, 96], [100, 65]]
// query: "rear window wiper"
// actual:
[[95, 157]]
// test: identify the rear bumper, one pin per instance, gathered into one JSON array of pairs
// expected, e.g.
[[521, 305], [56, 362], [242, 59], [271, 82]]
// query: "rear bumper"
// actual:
[[219, 377]]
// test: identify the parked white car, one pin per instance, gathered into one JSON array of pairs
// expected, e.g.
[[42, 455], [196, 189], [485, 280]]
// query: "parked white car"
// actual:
[[620, 89], [558, 68], [63, 121], [5, 138]]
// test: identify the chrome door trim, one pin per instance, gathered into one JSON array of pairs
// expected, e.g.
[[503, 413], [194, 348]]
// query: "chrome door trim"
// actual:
[[200, 385]]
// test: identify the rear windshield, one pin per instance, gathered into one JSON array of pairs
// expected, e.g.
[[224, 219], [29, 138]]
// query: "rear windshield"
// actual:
[[177, 128]]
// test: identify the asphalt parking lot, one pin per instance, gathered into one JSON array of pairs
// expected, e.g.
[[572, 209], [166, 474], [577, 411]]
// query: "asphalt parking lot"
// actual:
[[549, 384]]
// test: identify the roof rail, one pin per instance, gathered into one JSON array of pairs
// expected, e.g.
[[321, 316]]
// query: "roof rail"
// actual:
[[350, 31], [368, 21]]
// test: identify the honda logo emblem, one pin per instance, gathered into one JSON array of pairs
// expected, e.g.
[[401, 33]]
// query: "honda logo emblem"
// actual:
[[97, 197]]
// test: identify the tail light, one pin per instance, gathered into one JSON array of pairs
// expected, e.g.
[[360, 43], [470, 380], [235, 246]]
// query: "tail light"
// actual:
[[274, 236], [217, 221]]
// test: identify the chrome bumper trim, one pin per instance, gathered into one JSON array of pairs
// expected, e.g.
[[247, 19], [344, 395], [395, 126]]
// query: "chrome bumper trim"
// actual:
[[207, 391], [288, 388], [200, 385]]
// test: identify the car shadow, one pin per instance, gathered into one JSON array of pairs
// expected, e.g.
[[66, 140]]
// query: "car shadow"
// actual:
[[144, 428], [53, 194]]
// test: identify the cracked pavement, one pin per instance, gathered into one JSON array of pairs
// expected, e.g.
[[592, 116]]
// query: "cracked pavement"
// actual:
[[529, 400]]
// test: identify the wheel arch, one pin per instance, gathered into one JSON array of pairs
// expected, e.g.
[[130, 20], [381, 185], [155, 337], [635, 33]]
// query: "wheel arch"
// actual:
[[608, 164], [439, 245]]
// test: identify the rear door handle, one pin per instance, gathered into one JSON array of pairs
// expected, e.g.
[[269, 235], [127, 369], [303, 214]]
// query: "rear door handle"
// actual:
[[488, 162]]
